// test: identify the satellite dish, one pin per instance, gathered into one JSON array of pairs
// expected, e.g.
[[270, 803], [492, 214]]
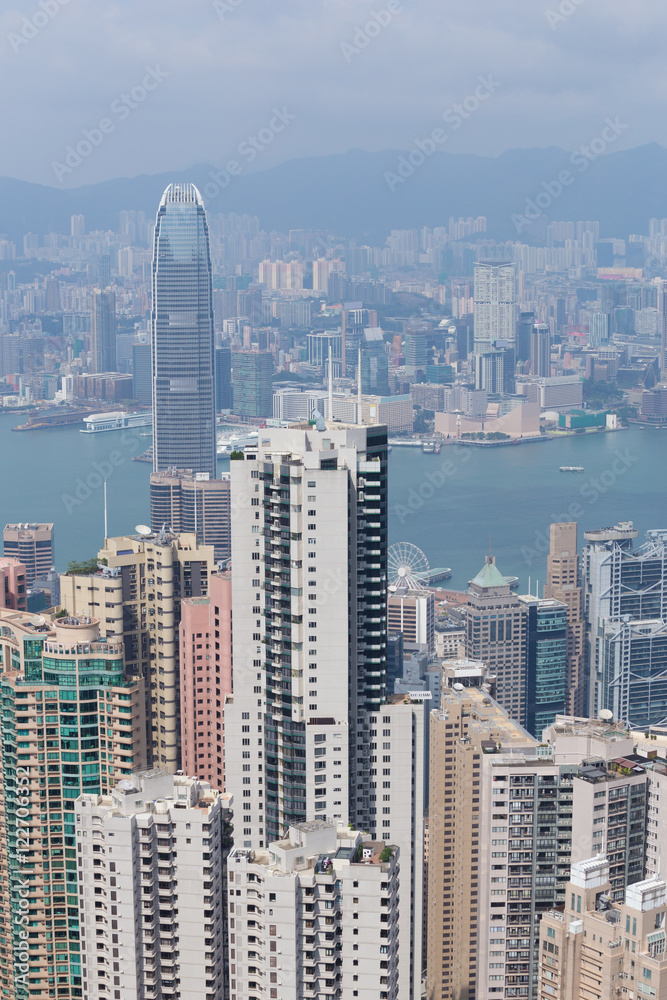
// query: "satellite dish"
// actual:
[[606, 715], [127, 785], [38, 620], [143, 529], [458, 687]]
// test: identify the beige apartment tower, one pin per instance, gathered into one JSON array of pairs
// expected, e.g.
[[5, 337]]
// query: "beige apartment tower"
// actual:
[[593, 949], [136, 593], [31, 544], [563, 585]]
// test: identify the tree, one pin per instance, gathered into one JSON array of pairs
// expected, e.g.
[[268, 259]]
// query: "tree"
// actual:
[[82, 568], [237, 456]]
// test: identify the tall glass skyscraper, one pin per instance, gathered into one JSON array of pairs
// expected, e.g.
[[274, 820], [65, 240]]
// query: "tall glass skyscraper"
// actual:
[[183, 339]]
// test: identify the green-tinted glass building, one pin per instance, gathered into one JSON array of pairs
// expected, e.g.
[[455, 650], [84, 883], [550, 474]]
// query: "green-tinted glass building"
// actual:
[[71, 723]]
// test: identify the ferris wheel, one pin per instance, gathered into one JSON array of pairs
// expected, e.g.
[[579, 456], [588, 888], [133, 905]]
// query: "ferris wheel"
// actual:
[[407, 567]]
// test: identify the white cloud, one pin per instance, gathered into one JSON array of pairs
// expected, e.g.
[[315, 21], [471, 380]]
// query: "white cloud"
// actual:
[[226, 75]]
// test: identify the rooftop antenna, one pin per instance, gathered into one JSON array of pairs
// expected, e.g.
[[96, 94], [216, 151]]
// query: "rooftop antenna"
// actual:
[[196, 538], [330, 384], [359, 413], [106, 533]]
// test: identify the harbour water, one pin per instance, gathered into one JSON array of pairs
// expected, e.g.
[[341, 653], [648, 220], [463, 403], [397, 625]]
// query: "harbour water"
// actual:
[[454, 506]]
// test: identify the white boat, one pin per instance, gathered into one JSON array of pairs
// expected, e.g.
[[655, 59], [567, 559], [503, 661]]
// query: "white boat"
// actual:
[[235, 442], [571, 468]]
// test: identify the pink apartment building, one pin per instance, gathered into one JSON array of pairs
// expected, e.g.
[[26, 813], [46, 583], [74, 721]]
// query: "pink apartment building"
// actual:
[[206, 678], [13, 591]]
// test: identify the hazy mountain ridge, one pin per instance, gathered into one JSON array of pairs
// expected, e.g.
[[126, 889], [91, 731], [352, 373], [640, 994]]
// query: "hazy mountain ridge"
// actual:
[[351, 194]]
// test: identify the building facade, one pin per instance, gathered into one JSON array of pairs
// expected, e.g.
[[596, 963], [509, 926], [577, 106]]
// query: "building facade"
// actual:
[[183, 335], [152, 860], [185, 502], [13, 587], [564, 585], [252, 372], [103, 331], [330, 900], [72, 722], [31, 544], [495, 304], [546, 661], [136, 593]]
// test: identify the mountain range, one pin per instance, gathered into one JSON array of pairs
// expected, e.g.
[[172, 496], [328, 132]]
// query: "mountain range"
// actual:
[[365, 195]]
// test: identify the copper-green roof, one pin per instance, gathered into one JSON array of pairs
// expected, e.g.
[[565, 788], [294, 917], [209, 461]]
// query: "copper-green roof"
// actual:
[[490, 575]]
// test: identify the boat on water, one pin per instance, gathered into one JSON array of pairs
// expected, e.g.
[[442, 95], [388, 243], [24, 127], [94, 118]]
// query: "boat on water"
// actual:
[[236, 442], [571, 468], [428, 447]]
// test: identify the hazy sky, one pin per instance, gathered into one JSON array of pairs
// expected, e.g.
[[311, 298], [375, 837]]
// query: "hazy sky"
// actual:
[[556, 68]]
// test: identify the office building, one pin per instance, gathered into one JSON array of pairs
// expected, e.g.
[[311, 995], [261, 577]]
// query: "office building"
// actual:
[[252, 373], [540, 351], [354, 320], [318, 351], [205, 662], [524, 335], [330, 900], [295, 405], [620, 583], [396, 413], [20, 355], [496, 635], [595, 948], [184, 502], [152, 859], [142, 374], [374, 363], [308, 733], [63, 673], [412, 612], [495, 304], [182, 336], [416, 354], [136, 593], [564, 585], [103, 331], [224, 396], [546, 662], [13, 587], [32, 545], [489, 370], [633, 663]]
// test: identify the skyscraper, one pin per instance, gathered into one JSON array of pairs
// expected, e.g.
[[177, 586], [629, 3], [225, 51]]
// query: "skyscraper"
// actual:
[[142, 373], [540, 351], [224, 398], [253, 389], [185, 502], [496, 635], [308, 732], [161, 842], [31, 544], [182, 333], [495, 304], [64, 674], [563, 584], [103, 331], [546, 662]]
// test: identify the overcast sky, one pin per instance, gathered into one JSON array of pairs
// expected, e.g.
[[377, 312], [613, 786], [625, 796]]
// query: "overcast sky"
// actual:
[[218, 75]]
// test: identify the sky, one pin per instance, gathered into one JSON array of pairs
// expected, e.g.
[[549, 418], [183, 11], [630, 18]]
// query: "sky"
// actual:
[[94, 90]]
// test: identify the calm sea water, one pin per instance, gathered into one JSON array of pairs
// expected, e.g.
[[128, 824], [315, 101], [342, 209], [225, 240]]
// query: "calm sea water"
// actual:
[[453, 506]]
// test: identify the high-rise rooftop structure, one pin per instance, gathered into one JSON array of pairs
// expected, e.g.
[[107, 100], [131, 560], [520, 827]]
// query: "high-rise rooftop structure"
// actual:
[[156, 845], [72, 722], [496, 635], [308, 732], [331, 927], [412, 612], [103, 331], [136, 593], [183, 336], [495, 304], [195, 504], [592, 945], [564, 584], [31, 544], [252, 372]]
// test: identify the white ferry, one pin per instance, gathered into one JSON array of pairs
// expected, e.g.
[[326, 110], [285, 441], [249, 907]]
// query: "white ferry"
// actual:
[[571, 468], [115, 420]]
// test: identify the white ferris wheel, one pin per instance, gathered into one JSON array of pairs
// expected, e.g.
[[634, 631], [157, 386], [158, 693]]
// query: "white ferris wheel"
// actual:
[[407, 567]]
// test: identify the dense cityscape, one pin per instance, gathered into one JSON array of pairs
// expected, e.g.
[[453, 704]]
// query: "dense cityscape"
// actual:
[[333, 616]]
